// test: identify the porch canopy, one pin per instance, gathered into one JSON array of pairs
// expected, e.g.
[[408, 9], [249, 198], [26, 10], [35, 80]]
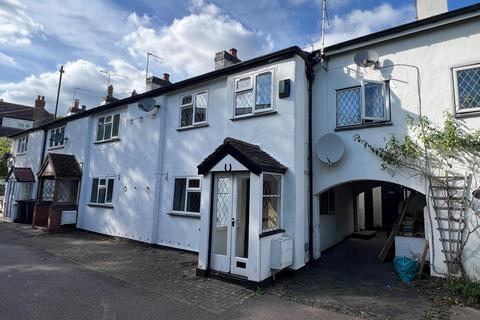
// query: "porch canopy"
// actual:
[[249, 155], [21, 174], [60, 166]]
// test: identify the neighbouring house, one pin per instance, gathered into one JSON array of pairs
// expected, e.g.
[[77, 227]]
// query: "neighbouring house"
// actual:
[[225, 163], [15, 118]]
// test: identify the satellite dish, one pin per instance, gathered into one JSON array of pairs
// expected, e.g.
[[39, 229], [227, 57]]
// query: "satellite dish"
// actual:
[[329, 149], [365, 58], [147, 104]]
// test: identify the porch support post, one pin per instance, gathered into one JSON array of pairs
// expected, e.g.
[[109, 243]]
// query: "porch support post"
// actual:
[[205, 221], [255, 226]]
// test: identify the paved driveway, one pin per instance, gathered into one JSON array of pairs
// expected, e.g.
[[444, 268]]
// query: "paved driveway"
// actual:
[[86, 276]]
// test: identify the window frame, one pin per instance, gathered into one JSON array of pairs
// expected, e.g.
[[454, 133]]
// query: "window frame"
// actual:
[[253, 87], [105, 186], [22, 145], [185, 195], [59, 146], [281, 196], [456, 96], [193, 105], [112, 137], [327, 195], [364, 120]]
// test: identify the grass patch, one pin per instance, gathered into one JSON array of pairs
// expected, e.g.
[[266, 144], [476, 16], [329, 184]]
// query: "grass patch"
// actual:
[[465, 289]]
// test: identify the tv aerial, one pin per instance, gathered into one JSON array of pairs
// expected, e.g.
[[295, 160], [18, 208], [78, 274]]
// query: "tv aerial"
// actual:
[[110, 74], [365, 58], [329, 149]]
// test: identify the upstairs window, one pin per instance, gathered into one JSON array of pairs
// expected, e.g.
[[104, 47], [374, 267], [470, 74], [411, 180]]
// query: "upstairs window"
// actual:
[[193, 110], [364, 104], [271, 201], [57, 138], [22, 144], [102, 190], [108, 128], [467, 88], [253, 94], [187, 195]]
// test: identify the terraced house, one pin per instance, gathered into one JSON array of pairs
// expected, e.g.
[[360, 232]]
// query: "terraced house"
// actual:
[[253, 164]]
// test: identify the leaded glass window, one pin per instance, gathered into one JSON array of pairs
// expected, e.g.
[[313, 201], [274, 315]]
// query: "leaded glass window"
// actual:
[[367, 103], [48, 189], [57, 137], [253, 94], [67, 191], [187, 195], [271, 202], [193, 110], [467, 88]]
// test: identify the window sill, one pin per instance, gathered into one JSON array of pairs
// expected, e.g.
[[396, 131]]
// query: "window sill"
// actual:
[[201, 125], [184, 214], [56, 148], [365, 125], [468, 114], [21, 153], [100, 205], [107, 141], [271, 233], [254, 115]]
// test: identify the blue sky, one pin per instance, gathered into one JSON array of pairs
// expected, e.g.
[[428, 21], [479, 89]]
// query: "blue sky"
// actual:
[[36, 37]]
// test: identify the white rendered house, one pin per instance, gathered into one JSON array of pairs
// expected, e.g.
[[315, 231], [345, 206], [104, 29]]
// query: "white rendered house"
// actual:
[[224, 163]]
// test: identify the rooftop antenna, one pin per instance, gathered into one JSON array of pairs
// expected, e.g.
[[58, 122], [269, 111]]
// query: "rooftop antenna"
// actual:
[[146, 68], [110, 74], [324, 22], [75, 93], [61, 71]]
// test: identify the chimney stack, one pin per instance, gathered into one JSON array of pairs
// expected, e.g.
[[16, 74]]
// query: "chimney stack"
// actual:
[[110, 91], [224, 59], [76, 107], [153, 82], [39, 112], [109, 97], [76, 103], [428, 8]]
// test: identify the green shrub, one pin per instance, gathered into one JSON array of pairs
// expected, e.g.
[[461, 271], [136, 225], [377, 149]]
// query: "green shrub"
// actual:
[[468, 290]]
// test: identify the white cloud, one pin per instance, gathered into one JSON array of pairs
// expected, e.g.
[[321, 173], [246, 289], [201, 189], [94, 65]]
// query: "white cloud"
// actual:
[[79, 73], [189, 44], [361, 22], [6, 59], [16, 26]]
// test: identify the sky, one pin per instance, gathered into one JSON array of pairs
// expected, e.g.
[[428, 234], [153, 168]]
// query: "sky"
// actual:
[[87, 37]]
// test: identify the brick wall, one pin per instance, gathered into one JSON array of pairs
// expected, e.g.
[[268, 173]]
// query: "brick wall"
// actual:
[[40, 215]]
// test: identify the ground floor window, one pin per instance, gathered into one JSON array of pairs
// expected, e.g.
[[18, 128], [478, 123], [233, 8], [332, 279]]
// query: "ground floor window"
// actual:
[[327, 202], [102, 190], [271, 201], [48, 189], [187, 195]]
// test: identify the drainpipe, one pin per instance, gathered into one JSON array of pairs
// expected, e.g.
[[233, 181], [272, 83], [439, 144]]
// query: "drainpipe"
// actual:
[[42, 156], [310, 77]]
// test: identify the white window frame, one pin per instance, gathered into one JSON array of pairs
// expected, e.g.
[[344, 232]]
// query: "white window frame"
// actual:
[[455, 87], [192, 105], [280, 213], [112, 137], [253, 88], [364, 119], [105, 186], [22, 145], [185, 195], [60, 144]]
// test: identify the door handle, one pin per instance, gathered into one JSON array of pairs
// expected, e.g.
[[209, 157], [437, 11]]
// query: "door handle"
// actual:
[[233, 222]]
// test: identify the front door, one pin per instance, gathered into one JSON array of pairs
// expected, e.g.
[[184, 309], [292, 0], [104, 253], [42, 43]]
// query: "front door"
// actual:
[[230, 223], [9, 200]]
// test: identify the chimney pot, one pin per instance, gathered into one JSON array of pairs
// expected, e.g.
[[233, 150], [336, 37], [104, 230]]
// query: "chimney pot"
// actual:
[[84, 107], [233, 52], [110, 91], [76, 103], [166, 77]]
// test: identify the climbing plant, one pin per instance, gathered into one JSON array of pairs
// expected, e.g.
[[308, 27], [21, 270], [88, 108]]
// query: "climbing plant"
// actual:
[[435, 152]]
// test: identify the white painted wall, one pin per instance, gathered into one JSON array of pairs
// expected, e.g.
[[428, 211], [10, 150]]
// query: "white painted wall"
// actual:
[[435, 53]]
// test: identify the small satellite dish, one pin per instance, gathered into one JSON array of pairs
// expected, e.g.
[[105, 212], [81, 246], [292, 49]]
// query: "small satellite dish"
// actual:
[[365, 58], [147, 104], [329, 149]]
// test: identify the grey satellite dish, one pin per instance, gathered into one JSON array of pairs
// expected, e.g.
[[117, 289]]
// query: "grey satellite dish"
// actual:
[[147, 104], [365, 58], [329, 149]]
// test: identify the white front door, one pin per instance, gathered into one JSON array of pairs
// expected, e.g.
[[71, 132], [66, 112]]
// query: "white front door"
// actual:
[[10, 196], [230, 223]]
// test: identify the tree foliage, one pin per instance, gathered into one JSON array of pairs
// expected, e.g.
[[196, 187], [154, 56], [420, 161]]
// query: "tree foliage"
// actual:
[[5, 149]]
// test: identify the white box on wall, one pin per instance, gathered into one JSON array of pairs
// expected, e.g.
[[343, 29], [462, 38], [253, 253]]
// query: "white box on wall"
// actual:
[[281, 254]]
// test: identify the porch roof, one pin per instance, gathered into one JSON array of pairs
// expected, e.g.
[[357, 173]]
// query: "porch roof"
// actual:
[[22, 174], [250, 155], [60, 166]]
